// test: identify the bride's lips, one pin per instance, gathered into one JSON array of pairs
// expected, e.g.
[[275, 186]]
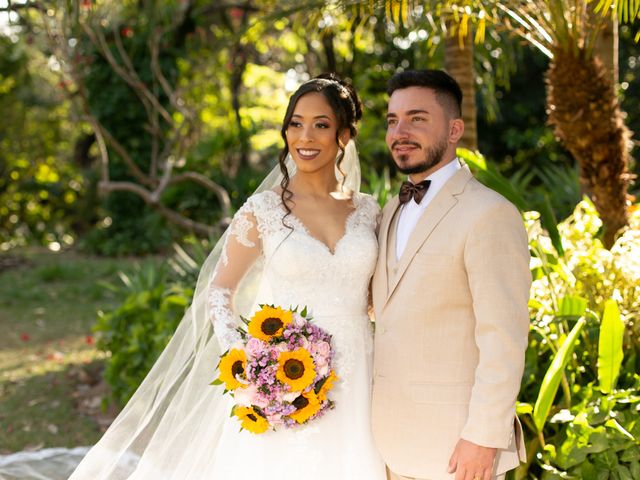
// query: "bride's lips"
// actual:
[[307, 153]]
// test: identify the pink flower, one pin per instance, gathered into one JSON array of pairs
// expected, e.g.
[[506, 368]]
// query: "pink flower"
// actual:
[[254, 347], [298, 320], [275, 420], [320, 349], [244, 396], [261, 400], [322, 370]]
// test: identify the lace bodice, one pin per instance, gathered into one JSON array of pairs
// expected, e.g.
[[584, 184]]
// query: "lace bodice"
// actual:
[[298, 268]]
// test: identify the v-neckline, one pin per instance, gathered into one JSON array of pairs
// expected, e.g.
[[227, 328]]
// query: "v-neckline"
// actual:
[[307, 232]]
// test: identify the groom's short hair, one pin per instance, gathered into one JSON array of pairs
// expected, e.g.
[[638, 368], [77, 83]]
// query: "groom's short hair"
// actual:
[[448, 92]]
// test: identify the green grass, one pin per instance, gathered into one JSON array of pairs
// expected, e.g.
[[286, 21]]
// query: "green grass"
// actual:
[[47, 308]]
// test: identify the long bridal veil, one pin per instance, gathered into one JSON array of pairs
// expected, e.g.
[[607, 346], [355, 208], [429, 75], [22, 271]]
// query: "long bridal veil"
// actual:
[[173, 422]]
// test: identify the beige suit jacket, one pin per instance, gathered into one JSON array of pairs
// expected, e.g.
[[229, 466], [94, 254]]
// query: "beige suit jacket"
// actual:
[[451, 330]]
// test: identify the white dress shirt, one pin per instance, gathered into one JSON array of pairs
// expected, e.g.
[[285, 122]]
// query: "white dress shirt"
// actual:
[[411, 211]]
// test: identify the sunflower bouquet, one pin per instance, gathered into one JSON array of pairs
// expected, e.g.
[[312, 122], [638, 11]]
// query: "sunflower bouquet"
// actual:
[[281, 372]]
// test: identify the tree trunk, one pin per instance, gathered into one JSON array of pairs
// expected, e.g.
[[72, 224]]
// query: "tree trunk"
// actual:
[[583, 108], [606, 47], [458, 62], [329, 51], [239, 65]]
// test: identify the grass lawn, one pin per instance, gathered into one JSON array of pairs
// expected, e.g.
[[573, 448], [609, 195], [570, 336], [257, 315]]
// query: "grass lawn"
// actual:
[[48, 304]]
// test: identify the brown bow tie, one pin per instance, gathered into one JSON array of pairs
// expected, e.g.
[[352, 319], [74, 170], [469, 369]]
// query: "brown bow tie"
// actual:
[[416, 191]]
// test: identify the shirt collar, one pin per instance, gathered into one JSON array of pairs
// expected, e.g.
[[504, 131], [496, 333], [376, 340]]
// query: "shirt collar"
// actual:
[[438, 179]]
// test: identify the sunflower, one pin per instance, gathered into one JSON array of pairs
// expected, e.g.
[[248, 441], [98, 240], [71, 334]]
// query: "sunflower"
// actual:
[[324, 386], [307, 405], [269, 322], [233, 364], [251, 420], [296, 369]]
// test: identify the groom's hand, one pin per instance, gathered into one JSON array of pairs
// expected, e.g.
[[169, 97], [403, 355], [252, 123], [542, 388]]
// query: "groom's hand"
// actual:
[[472, 462]]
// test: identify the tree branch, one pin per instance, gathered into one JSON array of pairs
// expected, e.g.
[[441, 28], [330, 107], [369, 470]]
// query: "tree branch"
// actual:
[[171, 215], [221, 193], [131, 78]]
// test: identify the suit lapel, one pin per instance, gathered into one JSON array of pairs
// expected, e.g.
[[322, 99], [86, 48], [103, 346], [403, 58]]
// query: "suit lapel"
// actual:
[[383, 274], [430, 218]]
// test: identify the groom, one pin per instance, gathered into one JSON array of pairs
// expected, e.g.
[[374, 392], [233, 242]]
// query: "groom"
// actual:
[[450, 294]]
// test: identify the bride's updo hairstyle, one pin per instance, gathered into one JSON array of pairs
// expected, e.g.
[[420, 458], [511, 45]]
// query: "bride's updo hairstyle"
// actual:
[[346, 106]]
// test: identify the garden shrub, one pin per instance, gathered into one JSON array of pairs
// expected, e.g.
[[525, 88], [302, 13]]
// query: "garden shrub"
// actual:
[[591, 430], [136, 332]]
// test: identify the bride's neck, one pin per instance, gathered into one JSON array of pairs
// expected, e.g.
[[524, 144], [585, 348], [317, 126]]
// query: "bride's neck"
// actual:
[[313, 184]]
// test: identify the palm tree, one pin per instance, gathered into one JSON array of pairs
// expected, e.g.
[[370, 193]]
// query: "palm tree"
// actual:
[[458, 62], [581, 101]]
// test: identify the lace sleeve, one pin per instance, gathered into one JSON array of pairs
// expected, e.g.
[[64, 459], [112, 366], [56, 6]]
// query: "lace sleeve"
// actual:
[[371, 211], [241, 249]]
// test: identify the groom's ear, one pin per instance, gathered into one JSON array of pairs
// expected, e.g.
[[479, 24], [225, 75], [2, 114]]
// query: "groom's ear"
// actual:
[[456, 129]]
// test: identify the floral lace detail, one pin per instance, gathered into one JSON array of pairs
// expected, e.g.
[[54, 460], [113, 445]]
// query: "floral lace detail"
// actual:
[[224, 324], [301, 270], [239, 228], [269, 212]]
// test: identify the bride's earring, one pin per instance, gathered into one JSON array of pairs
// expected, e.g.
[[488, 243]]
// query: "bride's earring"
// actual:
[[290, 165]]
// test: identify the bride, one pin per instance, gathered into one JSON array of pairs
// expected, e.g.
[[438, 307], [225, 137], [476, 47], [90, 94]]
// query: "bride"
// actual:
[[306, 237]]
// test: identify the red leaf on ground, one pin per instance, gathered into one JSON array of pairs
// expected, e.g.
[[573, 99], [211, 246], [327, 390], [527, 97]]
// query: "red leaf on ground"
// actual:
[[25, 337]]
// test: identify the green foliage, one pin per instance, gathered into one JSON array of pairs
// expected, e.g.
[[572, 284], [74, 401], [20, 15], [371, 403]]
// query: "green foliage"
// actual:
[[128, 234], [39, 187], [584, 343], [610, 352], [131, 227], [138, 330], [552, 377]]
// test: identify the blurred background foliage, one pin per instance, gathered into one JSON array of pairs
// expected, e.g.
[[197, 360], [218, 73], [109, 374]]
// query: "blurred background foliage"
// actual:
[[228, 69], [238, 69]]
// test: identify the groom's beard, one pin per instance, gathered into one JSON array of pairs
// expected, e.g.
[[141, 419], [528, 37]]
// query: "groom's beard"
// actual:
[[432, 158]]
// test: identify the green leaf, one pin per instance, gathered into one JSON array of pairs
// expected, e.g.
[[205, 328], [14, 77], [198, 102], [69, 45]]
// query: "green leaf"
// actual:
[[631, 455], [217, 381], [610, 353], [489, 175], [550, 223], [552, 378], [612, 423], [607, 459], [572, 306], [622, 473], [524, 408], [303, 313]]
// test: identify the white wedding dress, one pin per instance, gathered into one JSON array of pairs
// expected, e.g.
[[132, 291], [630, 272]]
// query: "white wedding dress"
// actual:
[[302, 270]]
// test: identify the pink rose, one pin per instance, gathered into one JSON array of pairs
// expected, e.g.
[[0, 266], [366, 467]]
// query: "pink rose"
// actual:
[[320, 350], [245, 396], [261, 400], [254, 347], [322, 370], [298, 320], [275, 420]]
